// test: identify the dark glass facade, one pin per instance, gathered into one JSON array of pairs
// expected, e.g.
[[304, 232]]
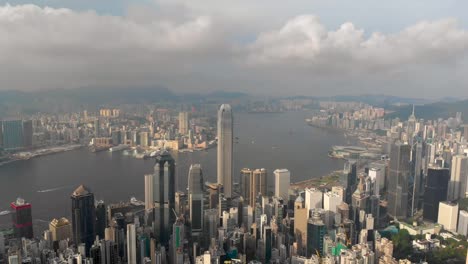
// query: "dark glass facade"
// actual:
[[435, 192]]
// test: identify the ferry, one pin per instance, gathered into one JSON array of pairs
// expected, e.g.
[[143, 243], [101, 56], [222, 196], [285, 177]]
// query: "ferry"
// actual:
[[119, 148]]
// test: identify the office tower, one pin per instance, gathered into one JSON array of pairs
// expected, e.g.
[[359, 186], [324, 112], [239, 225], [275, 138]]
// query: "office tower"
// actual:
[[267, 238], [411, 129], [301, 214], [399, 177], [27, 133], [282, 182], [245, 179], [61, 229], [97, 128], [331, 201], [258, 185], [225, 148], [313, 199], [458, 178], [316, 230], [144, 139], [340, 191], [131, 244], [348, 179], [195, 193], [465, 132], [149, 191], [177, 238], [417, 184], [22, 219], [435, 191], [83, 216], [95, 254], [377, 177], [360, 199], [12, 134], [164, 196], [101, 218], [462, 228], [448, 215], [210, 227], [183, 123]]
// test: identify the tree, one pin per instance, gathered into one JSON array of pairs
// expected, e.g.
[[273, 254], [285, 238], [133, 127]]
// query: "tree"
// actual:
[[402, 246]]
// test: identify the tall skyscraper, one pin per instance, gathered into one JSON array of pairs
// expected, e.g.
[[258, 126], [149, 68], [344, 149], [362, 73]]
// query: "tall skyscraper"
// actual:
[[101, 219], [22, 219], [12, 134], [149, 189], [448, 215], [164, 196], [282, 182], [83, 216], [183, 123], [258, 185], [131, 244], [225, 148], [462, 228], [418, 182], [399, 177], [313, 199], [349, 178], [245, 179], [458, 178], [435, 191], [195, 193]]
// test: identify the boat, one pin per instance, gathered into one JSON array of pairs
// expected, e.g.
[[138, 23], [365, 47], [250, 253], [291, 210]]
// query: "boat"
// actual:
[[119, 148], [4, 212]]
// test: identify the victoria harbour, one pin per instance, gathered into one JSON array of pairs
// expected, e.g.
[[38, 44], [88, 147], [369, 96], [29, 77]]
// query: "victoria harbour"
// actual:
[[271, 141]]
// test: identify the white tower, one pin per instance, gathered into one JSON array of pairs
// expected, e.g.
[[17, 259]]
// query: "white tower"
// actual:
[[225, 145]]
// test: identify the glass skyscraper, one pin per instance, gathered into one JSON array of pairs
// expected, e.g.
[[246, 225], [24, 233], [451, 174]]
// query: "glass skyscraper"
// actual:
[[195, 193], [399, 180], [83, 216], [225, 145]]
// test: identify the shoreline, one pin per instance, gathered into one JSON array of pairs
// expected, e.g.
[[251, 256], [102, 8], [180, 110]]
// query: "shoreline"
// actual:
[[41, 152]]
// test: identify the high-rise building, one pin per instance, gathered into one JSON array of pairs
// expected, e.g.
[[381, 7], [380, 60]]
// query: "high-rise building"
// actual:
[[258, 184], [61, 229], [101, 218], [225, 148], [282, 182], [399, 181], [245, 179], [331, 201], [316, 230], [448, 215], [377, 177], [313, 199], [131, 244], [195, 193], [458, 178], [435, 191], [465, 132], [349, 178], [462, 228], [164, 196], [183, 123], [22, 219], [27, 133], [83, 216], [12, 134], [149, 191], [415, 194]]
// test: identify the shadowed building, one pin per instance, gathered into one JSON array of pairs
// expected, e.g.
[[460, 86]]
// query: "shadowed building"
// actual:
[[83, 216]]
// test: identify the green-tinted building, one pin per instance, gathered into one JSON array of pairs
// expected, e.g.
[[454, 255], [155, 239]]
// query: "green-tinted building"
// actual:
[[12, 132]]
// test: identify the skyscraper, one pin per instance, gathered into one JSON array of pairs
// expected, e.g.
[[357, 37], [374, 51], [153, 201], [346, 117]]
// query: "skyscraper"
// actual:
[[245, 178], [149, 189], [61, 229], [83, 216], [399, 177], [258, 185], [458, 177], [131, 244], [101, 218], [22, 218], [435, 191], [282, 182], [164, 196], [195, 193], [12, 134], [348, 179], [225, 148], [183, 123]]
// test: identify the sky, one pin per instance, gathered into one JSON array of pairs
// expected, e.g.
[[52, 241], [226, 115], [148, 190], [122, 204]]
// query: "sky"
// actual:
[[415, 48]]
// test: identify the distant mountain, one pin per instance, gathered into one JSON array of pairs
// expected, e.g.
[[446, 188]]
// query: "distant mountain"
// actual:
[[433, 110], [379, 100]]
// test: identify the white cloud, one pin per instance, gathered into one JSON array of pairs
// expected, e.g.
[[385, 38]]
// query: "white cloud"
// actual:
[[199, 49]]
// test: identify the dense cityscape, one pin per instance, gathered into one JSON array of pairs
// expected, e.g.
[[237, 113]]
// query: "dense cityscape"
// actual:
[[400, 198], [233, 131]]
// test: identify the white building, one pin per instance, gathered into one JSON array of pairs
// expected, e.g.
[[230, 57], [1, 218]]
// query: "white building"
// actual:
[[458, 178], [340, 190], [377, 177], [331, 201], [313, 199], [149, 184], [448, 214], [225, 145], [463, 223], [282, 182]]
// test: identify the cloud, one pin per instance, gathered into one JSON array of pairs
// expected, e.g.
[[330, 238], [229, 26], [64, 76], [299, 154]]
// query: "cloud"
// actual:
[[199, 49]]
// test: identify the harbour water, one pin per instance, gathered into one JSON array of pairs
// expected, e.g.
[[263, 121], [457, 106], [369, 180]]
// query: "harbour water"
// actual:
[[276, 140]]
